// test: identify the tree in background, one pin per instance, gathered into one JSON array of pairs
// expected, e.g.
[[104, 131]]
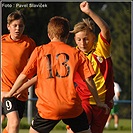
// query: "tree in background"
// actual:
[[116, 14]]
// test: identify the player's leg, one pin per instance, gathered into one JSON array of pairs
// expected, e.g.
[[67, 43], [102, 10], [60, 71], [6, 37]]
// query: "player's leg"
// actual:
[[32, 130], [4, 130], [78, 124], [108, 121], [2, 119], [85, 131], [14, 109], [69, 129], [99, 119], [116, 118], [88, 110], [41, 125], [9, 105], [111, 105], [13, 122]]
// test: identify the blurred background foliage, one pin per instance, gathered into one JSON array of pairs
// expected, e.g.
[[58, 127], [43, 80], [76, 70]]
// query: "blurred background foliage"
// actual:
[[116, 14]]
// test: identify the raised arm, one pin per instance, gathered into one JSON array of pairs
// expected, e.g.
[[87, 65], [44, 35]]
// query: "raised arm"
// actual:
[[84, 6]]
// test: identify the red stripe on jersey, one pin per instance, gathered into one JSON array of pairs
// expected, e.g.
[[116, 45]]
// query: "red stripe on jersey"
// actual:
[[107, 70], [104, 40]]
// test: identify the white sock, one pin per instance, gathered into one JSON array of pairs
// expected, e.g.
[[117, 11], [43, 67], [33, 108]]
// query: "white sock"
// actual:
[[107, 124], [116, 125]]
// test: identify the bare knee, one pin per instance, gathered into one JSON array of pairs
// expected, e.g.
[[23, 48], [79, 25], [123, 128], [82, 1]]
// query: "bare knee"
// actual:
[[13, 125], [32, 130], [69, 130]]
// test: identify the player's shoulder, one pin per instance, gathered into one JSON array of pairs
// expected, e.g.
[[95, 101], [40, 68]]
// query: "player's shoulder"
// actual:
[[103, 40], [40, 47], [4, 37], [28, 39]]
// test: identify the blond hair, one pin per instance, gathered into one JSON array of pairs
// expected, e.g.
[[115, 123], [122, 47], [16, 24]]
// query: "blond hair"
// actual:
[[86, 24]]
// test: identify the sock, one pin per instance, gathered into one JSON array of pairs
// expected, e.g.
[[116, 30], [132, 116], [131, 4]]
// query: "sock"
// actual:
[[107, 124], [67, 127], [116, 125], [4, 131]]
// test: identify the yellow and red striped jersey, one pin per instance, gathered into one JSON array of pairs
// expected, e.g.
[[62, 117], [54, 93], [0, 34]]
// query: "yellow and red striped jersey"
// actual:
[[100, 58]]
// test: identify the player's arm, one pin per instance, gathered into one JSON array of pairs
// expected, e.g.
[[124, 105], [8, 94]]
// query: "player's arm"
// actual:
[[91, 85], [26, 85], [84, 6]]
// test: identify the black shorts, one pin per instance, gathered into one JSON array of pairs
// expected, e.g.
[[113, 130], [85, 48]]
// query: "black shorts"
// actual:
[[13, 104], [77, 124]]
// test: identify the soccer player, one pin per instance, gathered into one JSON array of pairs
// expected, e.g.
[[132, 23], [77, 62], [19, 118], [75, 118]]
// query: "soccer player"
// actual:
[[16, 50], [56, 64], [115, 109], [100, 57]]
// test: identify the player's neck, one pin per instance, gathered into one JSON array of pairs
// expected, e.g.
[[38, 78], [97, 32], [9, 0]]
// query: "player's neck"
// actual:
[[58, 40]]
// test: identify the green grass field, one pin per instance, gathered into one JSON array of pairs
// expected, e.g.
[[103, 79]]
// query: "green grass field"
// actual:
[[124, 127], [64, 131]]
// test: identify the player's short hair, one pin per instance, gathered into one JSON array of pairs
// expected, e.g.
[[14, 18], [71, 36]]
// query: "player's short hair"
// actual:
[[86, 24], [58, 27], [16, 15]]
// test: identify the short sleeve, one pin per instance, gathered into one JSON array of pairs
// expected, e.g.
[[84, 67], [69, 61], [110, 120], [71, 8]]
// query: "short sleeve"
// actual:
[[31, 68], [85, 68]]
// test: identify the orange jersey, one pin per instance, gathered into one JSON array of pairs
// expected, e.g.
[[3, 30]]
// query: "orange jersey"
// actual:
[[56, 64], [15, 55]]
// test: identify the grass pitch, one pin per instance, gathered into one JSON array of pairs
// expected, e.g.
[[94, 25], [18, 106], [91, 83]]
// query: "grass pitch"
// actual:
[[124, 127]]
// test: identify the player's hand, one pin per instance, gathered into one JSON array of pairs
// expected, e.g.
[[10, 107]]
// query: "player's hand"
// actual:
[[8, 95], [4, 95], [105, 106], [84, 6], [16, 94], [111, 103]]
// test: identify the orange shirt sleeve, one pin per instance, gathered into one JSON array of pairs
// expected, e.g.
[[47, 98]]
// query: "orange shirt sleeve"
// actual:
[[85, 69], [31, 68]]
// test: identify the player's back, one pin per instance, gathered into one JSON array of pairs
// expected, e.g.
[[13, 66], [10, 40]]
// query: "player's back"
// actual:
[[58, 88], [55, 81], [56, 64]]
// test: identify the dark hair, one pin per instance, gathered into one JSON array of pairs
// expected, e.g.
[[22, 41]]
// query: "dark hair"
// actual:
[[15, 16]]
